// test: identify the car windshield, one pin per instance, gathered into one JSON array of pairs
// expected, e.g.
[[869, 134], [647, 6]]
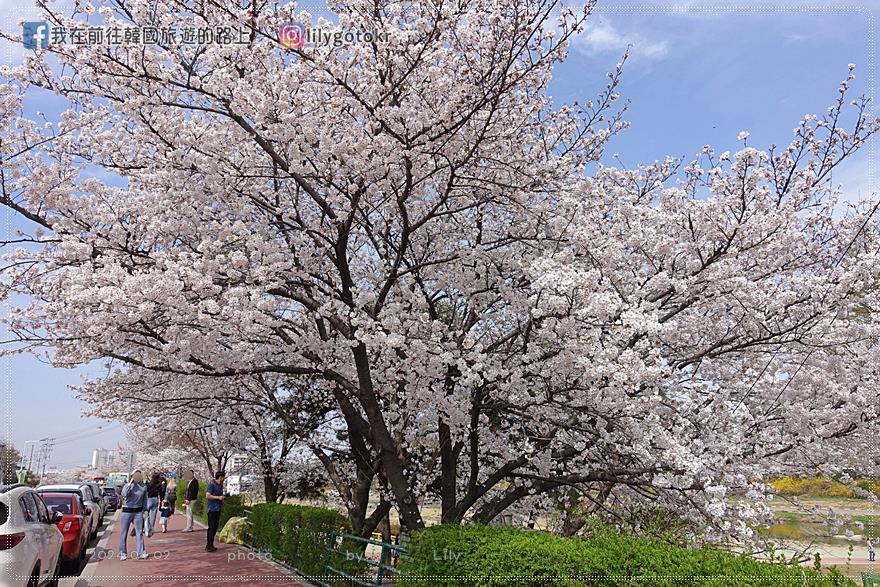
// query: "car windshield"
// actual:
[[60, 503], [109, 490], [4, 513]]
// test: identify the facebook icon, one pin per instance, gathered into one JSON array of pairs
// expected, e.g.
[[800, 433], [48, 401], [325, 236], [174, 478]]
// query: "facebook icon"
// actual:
[[35, 34]]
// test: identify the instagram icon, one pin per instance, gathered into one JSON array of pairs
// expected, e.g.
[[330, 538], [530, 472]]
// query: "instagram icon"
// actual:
[[290, 36]]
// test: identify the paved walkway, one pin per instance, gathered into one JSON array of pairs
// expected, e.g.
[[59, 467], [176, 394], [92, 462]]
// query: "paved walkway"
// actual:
[[177, 558], [836, 555]]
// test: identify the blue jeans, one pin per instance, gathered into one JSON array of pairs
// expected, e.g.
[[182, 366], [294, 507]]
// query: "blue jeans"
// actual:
[[129, 518], [150, 515]]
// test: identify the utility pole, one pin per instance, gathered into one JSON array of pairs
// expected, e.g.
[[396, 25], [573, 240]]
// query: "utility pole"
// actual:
[[39, 466], [30, 466], [48, 445], [39, 457], [33, 464]]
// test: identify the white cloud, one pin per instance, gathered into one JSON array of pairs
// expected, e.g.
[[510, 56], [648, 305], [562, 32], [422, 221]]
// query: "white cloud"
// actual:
[[600, 36]]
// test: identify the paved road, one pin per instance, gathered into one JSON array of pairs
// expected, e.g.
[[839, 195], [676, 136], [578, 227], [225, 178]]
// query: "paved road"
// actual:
[[177, 559]]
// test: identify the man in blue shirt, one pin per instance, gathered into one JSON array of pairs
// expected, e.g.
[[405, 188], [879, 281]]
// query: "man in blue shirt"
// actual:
[[215, 497]]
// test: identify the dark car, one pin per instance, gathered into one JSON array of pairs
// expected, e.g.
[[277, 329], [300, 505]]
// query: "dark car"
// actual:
[[112, 498]]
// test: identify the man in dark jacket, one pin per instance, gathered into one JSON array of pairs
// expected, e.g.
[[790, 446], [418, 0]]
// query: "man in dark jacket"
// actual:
[[190, 497]]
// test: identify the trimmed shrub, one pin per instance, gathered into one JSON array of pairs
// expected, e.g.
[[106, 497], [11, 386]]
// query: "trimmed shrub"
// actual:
[[200, 507], [233, 507], [180, 491], [295, 534], [496, 556]]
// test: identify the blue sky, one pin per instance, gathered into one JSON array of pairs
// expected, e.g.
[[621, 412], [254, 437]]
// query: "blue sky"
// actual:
[[694, 77]]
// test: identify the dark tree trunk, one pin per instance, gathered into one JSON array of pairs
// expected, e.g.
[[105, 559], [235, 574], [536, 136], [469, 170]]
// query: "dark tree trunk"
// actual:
[[270, 488], [572, 525], [384, 443], [385, 528]]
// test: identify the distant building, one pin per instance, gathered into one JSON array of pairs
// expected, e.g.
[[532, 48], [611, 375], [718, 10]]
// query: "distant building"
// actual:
[[102, 458], [237, 463]]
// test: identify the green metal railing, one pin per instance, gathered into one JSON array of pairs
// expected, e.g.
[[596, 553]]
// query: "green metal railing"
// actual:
[[379, 572]]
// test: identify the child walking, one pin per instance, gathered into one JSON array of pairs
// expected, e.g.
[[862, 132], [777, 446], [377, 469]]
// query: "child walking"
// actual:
[[164, 513]]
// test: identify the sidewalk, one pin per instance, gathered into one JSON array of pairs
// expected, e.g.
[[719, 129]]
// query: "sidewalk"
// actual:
[[179, 558]]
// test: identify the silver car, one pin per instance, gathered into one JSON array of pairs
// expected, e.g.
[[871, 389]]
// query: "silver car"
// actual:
[[98, 492]]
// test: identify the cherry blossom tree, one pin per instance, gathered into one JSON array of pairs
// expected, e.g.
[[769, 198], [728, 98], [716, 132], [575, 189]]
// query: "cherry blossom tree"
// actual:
[[181, 419], [270, 418], [164, 438], [157, 450], [417, 255]]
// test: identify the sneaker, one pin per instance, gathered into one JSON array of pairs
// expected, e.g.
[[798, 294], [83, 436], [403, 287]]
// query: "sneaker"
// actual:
[[211, 548], [187, 530], [122, 556], [143, 556]]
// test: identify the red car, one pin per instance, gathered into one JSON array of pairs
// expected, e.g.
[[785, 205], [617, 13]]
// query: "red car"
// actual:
[[74, 525]]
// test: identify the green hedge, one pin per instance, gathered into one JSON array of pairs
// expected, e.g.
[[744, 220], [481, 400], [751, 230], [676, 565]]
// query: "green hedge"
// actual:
[[495, 556], [295, 534], [232, 506]]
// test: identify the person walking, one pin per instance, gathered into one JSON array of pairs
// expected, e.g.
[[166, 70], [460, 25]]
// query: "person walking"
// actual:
[[872, 555], [134, 498], [171, 494], [190, 497], [164, 514], [154, 495], [215, 497]]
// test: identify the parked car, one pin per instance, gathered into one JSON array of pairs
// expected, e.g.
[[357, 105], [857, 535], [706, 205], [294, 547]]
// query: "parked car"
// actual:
[[112, 498], [87, 496], [30, 542], [117, 480], [74, 526], [98, 492]]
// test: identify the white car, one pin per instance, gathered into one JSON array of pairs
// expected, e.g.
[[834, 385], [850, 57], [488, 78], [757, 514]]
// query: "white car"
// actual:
[[88, 498], [30, 542]]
